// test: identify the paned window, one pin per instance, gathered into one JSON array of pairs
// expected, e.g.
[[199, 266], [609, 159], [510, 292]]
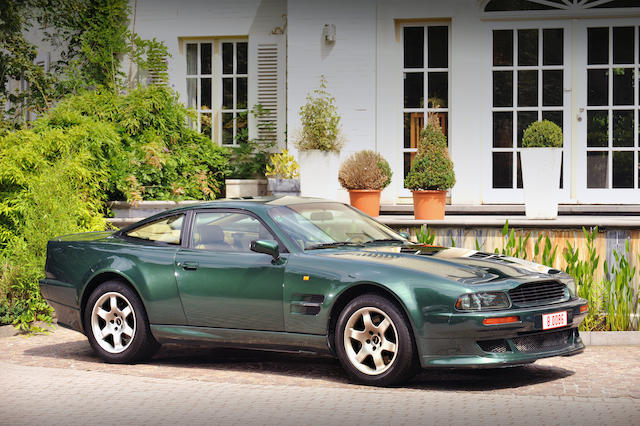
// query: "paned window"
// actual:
[[217, 76], [426, 83], [528, 74], [613, 95]]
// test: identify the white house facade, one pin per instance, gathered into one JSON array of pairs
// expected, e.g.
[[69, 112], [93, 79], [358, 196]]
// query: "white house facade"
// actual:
[[484, 69]]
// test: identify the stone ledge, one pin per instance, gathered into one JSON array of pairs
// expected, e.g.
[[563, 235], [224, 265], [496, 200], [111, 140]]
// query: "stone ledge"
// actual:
[[475, 221], [610, 338]]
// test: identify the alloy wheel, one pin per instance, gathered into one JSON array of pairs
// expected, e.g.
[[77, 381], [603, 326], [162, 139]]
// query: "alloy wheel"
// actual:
[[113, 322], [371, 341]]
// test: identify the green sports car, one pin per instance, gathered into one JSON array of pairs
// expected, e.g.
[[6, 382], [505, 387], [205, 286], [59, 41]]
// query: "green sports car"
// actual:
[[308, 275]]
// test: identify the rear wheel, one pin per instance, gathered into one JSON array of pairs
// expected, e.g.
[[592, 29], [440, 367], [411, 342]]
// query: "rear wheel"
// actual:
[[116, 324], [373, 341]]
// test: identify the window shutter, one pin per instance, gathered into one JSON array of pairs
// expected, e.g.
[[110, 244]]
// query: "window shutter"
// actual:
[[269, 86]]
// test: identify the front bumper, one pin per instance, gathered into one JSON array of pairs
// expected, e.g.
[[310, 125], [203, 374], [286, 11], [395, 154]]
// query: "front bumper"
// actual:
[[462, 340]]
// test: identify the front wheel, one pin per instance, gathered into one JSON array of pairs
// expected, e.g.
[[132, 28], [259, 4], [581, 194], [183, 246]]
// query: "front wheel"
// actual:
[[373, 341], [116, 324]]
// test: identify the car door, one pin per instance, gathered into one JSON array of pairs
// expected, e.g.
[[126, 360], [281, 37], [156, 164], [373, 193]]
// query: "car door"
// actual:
[[222, 282]]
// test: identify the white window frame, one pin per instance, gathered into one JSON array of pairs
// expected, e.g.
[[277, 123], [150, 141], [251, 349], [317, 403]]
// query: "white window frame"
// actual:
[[216, 83], [399, 171], [605, 195], [516, 195]]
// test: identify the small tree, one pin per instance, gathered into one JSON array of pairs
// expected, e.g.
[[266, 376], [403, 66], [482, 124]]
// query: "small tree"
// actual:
[[432, 168]]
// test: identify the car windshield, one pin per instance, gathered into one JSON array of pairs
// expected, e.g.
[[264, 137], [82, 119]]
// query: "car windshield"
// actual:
[[324, 225]]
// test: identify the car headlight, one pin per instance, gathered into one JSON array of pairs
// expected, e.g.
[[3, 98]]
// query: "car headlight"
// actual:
[[571, 285], [483, 301]]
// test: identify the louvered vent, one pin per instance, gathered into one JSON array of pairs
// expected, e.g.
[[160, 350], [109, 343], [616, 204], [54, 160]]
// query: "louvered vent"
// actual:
[[268, 91]]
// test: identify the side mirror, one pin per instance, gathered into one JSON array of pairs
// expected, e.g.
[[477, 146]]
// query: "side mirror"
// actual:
[[269, 247], [404, 235]]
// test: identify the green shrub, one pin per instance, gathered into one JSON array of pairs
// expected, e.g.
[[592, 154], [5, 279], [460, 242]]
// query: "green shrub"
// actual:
[[320, 122], [159, 157], [365, 170], [249, 157], [542, 134], [56, 177], [283, 166], [52, 182], [432, 169]]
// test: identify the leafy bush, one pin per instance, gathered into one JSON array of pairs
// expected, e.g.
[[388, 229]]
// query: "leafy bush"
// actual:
[[51, 181], [55, 178], [542, 134], [283, 166], [320, 122], [432, 169], [158, 157], [365, 170], [249, 157]]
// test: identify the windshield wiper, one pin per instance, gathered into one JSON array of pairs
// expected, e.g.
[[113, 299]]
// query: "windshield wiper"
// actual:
[[333, 244], [385, 240]]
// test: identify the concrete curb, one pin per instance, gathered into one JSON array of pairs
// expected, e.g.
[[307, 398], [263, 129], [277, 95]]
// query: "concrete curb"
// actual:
[[610, 338]]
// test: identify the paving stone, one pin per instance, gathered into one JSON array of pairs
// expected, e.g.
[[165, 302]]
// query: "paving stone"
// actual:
[[198, 385]]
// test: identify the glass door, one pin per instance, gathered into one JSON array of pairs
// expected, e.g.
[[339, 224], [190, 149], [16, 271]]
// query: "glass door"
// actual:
[[608, 108], [530, 71]]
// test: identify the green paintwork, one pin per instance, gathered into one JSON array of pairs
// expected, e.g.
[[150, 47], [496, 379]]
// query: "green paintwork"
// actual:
[[281, 296]]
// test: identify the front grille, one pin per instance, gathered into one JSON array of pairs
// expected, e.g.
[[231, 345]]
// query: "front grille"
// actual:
[[539, 293], [496, 346], [544, 342]]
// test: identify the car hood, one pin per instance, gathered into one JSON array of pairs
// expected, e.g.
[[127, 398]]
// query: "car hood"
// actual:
[[457, 264]]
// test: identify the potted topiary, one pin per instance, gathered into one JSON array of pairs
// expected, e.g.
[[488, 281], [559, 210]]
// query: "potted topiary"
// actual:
[[431, 174], [541, 162], [282, 174], [365, 174], [319, 142]]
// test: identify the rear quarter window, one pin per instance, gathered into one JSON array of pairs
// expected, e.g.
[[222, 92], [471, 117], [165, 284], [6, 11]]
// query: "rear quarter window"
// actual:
[[166, 230]]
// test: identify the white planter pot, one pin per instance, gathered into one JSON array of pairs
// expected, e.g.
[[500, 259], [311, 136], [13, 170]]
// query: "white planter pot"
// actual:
[[245, 187], [319, 174], [541, 181]]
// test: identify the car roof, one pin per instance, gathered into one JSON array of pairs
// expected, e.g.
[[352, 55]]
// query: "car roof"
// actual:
[[254, 204]]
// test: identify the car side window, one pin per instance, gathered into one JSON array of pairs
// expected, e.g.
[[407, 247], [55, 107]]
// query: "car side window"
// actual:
[[225, 231], [166, 230]]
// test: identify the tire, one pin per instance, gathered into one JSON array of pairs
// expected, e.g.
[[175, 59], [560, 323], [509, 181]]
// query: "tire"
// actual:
[[116, 324], [373, 342]]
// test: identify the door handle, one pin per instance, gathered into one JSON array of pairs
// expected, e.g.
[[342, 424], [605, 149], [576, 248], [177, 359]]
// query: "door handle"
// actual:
[[189, 266]]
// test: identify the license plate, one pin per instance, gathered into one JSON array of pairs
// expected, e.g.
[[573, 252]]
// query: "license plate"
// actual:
[[554, 320]]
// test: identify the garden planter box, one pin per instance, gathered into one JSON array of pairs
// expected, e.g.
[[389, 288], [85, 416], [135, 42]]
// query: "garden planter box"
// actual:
[[279, 186], [245, 187], [319, 174]]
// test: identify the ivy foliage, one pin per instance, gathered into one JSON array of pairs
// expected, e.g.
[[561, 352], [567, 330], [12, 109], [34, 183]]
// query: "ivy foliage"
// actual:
[[432, 168], [17, 57]]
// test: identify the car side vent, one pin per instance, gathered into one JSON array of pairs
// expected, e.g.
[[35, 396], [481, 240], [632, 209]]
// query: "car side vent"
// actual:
[[539, 293]]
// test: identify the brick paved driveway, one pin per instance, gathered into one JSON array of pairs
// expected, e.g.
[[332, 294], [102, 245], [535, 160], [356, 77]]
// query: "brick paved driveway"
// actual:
[[215, 386]]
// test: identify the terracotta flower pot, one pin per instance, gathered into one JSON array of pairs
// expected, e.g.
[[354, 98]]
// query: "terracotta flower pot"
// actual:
[[429, 205], [366, 200]]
